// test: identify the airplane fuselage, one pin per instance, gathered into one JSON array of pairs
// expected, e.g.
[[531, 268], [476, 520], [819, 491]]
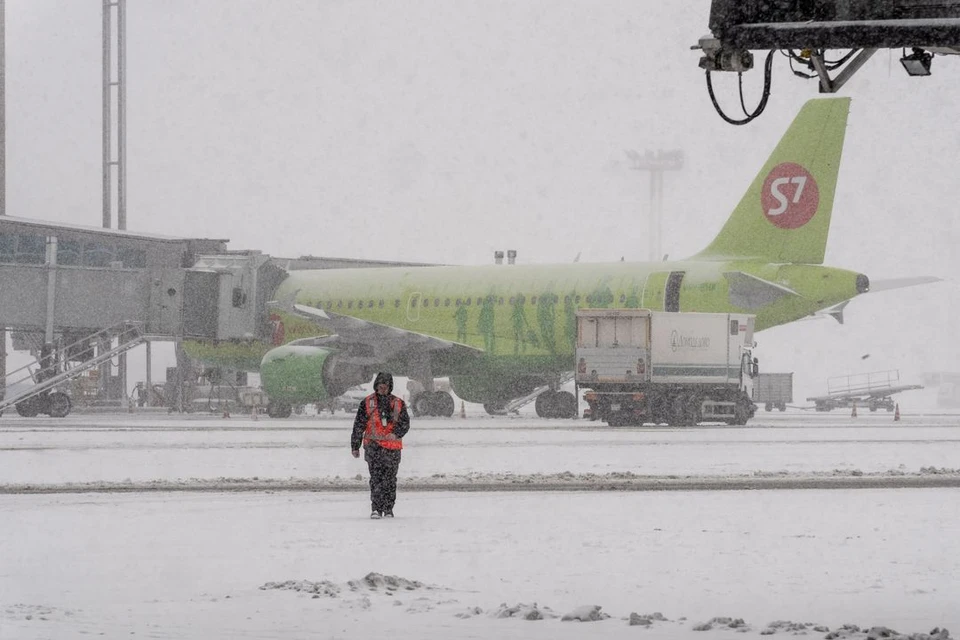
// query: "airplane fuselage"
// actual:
[[527, 311]]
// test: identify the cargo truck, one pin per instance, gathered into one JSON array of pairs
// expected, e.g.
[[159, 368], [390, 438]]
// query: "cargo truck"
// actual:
[[773, 390], [640, 366]]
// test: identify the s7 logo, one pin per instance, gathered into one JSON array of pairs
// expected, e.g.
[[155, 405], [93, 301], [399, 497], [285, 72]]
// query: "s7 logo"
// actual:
[[775, 185]]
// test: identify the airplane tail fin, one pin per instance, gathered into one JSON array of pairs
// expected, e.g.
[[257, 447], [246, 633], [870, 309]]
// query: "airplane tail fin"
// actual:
[[785, 214]]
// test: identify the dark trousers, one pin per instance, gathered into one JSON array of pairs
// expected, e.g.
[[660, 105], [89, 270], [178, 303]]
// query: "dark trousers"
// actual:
[[383, 465]]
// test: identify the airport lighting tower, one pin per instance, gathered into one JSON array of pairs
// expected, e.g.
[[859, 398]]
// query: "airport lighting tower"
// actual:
[[656, 162]]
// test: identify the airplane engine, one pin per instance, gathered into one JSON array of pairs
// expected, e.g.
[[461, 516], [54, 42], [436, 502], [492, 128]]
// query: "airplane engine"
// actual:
[[296, 374]]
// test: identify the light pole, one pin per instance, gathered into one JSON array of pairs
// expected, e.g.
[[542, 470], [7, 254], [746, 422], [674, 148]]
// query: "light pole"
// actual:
[[656, 162]]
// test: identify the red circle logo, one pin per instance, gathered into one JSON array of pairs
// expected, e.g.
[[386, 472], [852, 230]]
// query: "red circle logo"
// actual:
[[790, 196]]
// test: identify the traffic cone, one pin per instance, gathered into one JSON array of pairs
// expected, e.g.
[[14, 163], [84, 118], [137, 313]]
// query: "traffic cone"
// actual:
[[463, 410], [853, 414], [896, 413]]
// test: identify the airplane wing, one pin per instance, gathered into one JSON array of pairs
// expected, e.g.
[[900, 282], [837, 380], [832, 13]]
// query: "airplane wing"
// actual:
[[751, 292], [897, 283], [364, 342]]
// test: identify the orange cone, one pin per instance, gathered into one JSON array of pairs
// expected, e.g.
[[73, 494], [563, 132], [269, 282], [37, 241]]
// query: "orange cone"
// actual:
[[896, 413], [853, 414], [463, 410]]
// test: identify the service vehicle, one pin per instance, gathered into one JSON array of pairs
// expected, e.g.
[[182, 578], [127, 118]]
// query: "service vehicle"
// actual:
[[641, 366]]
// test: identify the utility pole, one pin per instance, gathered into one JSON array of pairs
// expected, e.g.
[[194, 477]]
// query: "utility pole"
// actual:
[[3, 171], [114, 77], [656, 162]]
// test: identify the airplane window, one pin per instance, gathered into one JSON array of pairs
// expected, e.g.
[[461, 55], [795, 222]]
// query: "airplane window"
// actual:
[[350, 304], [8, 247], [380, 304], [68, 252], [436, 302], [396, 303], [370, 305], [426, 302], [339, 304], [459, 302], [623, 298], [500, 301], [533, 300], [512, 299], [132, 258], [329, 304], [360, 304], [446, 302], [468, 301], [31, 249], [479, 300], [577, 299]]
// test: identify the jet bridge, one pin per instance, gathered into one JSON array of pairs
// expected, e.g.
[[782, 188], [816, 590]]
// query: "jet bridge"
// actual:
[[80, 288]]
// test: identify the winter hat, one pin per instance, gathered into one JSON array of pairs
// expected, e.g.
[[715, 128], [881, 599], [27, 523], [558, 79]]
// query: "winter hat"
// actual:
[[381, 378]]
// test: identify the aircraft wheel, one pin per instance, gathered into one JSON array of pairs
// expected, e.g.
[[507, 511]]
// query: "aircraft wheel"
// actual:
[[279, 409], [494, 408], [58, 405], [29, 408], [566, 405], [422, 404], [443, 404], [546, 405]]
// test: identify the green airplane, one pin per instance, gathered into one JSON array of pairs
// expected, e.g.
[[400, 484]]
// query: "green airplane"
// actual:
[[499, 332]]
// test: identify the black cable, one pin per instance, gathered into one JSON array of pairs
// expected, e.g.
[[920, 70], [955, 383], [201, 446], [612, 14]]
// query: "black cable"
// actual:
[[767, 76]]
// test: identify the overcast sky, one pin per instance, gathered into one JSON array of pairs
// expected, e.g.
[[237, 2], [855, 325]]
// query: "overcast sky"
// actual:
[[440, 131]]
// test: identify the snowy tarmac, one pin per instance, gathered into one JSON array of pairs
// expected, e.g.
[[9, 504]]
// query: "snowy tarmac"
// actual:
[[132, 525]]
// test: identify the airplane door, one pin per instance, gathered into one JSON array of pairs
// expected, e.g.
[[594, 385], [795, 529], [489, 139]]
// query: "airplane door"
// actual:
[[413, 306], [653, 288], [671, 293]]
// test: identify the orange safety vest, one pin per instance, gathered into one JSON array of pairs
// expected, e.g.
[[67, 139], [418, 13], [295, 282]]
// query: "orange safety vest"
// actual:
[[376, 430]]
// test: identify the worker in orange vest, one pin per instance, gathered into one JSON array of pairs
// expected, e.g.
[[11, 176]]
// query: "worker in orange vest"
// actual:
[[382, 421]]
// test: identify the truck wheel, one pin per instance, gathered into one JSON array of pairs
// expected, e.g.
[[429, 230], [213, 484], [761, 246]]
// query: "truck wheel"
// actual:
[[768, 407], [58, 405], [29, 408], [782, 407]]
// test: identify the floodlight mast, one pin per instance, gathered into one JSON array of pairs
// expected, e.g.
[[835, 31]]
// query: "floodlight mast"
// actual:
[[804, 30]]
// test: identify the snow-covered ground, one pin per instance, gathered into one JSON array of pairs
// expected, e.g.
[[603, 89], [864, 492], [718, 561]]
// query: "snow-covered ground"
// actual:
[[107, 554]]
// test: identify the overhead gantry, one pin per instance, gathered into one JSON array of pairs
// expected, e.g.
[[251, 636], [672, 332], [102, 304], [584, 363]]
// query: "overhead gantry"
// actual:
[[829, 40]]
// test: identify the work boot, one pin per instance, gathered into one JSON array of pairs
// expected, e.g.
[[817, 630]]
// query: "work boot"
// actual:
[[375, 515], [388, 513]]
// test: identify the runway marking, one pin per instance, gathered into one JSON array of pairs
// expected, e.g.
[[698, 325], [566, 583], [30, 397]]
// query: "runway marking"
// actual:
[[514, 484]]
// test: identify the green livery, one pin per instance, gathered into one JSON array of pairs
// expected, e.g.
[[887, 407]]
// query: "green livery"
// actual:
[[500, 331]]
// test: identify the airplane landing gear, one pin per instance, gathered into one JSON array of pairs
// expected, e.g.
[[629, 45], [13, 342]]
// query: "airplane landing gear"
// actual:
[[432, 403], [556, 404]]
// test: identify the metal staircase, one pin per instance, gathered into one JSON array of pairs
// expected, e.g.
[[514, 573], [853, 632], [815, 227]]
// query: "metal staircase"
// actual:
[[51, 371], [514, 405]]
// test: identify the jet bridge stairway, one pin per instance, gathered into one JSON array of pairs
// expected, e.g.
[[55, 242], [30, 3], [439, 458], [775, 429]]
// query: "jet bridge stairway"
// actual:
[[52, 370]]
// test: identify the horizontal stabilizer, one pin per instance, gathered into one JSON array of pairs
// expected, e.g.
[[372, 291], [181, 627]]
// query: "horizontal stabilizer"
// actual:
[[835, 312], [898, 283], [751, 292]]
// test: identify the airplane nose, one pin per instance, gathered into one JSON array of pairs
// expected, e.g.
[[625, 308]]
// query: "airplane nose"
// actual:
[[863, 283]]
